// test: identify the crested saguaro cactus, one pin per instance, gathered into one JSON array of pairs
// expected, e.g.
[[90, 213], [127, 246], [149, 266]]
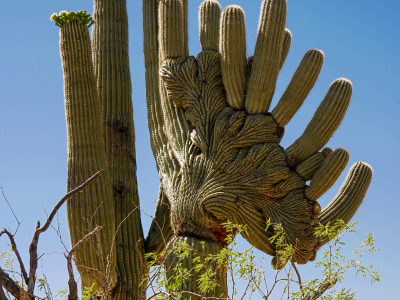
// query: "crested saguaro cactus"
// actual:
[[217, 147], [215, 143]]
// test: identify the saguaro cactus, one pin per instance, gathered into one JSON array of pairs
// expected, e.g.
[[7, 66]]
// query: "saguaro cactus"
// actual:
[[101, 136], [222, 161], [216, 146]]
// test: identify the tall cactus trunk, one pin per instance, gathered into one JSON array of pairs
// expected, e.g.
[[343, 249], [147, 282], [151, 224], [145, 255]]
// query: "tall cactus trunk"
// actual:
[[101, 136], [200, 249], [86, 156], [111, 65]]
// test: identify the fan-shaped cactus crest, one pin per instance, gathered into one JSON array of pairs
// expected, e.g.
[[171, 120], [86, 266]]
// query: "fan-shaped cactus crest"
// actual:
[[215, 139]]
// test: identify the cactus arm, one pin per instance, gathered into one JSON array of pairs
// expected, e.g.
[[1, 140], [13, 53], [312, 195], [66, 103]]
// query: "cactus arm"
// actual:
[[324, 123], [307, 168], [173, 42], [209, 15], [299, 87], [287, 42], [111, 65], [327, 174], [233, 55], [86, 155], [350, 196], [267, 56]]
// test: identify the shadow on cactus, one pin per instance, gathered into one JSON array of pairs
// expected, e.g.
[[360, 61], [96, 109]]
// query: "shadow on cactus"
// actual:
[[222, 159]]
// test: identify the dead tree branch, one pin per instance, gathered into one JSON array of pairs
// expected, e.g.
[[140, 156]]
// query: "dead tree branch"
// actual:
[[73, 289], [11, 287], [14, 247], [321, 289], [5, 280]]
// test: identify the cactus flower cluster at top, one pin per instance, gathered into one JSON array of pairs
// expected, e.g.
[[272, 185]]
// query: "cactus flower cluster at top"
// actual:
[[81, 17]]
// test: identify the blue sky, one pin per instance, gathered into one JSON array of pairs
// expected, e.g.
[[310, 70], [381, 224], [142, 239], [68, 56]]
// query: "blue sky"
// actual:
[[360, 40]]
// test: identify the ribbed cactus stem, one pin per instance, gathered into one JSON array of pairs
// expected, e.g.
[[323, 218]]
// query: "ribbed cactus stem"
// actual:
[[267, 56], [350, 196], [111, 62], [86, 155], [199, 249], [287, 42], [327, 174], [324, 123], [307, 168], [233, 55], [172, 39], [160, 231], [326, 152], [209, 15], [299, 87]]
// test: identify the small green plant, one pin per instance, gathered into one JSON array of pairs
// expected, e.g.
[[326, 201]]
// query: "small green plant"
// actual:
[[243, 266]]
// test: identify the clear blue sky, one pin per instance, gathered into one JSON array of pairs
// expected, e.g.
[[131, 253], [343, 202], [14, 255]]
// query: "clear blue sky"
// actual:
[[361, 42]]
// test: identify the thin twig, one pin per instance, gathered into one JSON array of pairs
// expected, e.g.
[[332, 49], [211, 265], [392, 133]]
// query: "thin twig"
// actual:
[[298, 274], [73, 289], [65, 198], [4, 196]]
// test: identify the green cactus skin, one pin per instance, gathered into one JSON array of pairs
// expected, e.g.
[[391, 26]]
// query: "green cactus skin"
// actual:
[[350, 196], [172, 16], [111, 65], [86, 155], [326, 152], [327, 174], [160, 231], [209, 14], [307, 168], [233, 55], [299, 87], [201, 249], [324, 123], [287, 41], [267, 56]]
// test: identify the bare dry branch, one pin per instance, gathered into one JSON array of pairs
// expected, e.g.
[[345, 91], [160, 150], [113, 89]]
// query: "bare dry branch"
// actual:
[[2, 294], [4, 196], [73, 289], [12, 287], [321, 289], [65, 198], [14, 247]]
